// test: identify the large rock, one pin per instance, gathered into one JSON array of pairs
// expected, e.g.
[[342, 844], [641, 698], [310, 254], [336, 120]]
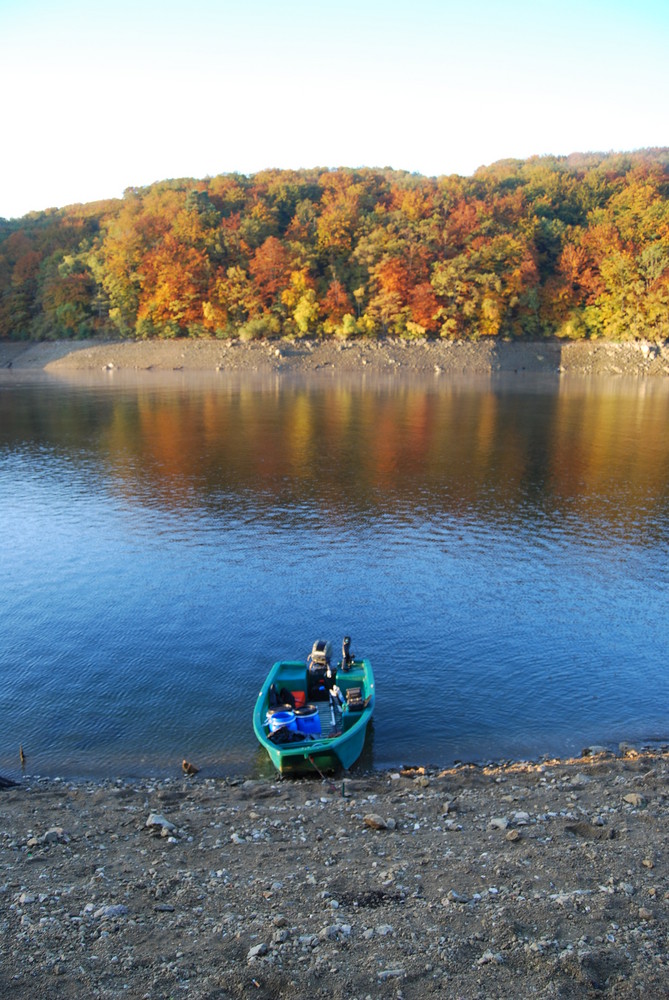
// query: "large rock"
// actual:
[[158, 820]]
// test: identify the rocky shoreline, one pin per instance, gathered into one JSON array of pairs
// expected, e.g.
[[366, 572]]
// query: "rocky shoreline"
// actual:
[[388, 357], [546, 879]]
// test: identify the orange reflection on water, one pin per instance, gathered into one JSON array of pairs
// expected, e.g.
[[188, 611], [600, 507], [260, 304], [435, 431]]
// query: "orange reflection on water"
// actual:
[[483, 447]]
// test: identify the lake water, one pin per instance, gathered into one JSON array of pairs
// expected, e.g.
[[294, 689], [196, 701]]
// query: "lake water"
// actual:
[[498, 548]]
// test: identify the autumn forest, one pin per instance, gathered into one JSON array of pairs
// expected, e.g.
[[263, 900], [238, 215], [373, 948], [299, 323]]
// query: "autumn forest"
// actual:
[[572, 246]]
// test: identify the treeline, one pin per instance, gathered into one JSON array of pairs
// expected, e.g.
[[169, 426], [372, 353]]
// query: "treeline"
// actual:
[[572, 246]]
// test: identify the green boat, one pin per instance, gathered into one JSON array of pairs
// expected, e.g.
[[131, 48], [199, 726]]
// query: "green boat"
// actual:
[[312, 717]]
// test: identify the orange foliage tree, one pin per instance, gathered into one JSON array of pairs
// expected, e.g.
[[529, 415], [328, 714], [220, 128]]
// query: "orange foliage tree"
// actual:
[[568, 246]]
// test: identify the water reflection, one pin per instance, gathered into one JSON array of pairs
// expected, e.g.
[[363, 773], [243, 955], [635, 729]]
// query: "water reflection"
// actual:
[[595, 453], [498, 547]]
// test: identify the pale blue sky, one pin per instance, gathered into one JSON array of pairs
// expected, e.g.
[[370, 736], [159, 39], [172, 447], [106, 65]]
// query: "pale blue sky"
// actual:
[[99, 96]]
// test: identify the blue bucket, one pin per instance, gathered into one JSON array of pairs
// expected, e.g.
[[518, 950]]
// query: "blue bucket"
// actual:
[[281, 720], [308, 721]]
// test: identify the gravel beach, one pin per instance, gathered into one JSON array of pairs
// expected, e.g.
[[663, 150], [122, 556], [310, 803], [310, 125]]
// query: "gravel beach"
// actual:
[[546, 880]]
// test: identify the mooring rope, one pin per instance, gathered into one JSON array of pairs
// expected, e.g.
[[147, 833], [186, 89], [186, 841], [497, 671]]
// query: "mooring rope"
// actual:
[[313, 762]]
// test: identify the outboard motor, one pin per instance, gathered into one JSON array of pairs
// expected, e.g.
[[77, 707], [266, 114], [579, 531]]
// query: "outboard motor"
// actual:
[[346, 654], [320, 655], [319, 671]]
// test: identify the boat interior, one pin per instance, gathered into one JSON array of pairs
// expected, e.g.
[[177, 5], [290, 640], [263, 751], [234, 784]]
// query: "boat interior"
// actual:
[[339, 699]]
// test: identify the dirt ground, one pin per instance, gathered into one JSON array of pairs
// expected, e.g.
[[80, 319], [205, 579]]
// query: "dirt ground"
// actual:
[[392, 357], [527, 880]]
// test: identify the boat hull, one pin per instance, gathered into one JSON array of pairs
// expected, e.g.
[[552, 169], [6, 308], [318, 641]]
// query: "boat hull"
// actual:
[[329, 751]]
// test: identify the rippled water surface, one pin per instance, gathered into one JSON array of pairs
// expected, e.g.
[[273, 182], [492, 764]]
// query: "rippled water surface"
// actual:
[[499, 548]]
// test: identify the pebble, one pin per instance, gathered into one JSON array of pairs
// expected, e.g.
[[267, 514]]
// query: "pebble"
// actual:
[[450, 824], [455, 897], [114, 910], [335, 931], [55, 835], [391, 974], [634, 799], [156, 819], [490, 956], [595, 751], [375, 822], [256, 952]]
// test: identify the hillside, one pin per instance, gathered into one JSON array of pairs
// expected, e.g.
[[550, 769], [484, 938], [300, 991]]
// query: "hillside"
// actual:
[[571, 247]]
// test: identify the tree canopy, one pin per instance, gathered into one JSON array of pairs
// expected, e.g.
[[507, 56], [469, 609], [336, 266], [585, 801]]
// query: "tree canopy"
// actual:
[[573, 246]]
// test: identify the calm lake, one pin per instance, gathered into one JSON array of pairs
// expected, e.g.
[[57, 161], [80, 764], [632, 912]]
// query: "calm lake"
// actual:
[[498, 547]]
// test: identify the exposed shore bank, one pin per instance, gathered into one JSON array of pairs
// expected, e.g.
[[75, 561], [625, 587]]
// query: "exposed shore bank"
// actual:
[[546, 880], [393, 357]]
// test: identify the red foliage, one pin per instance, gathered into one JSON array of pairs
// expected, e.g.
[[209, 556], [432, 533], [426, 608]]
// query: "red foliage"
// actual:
[[424, 305], [393, 276], [270, 267], [336, 302]]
